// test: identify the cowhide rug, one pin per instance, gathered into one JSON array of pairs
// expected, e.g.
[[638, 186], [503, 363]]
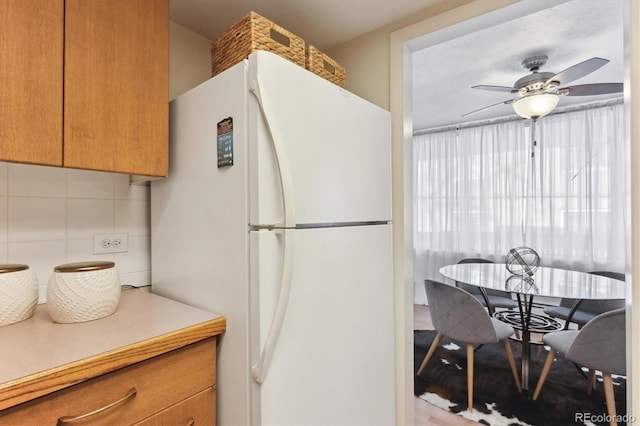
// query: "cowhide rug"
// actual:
[[562, 401]]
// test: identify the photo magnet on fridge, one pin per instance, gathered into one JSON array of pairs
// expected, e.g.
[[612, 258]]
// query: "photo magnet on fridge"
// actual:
[[225, 142]]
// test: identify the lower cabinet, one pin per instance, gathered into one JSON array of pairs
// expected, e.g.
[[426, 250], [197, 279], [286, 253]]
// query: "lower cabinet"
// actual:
[[192, 411], [177, 387]]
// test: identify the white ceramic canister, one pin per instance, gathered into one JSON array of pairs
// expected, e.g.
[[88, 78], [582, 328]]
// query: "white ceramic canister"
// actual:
[[18, 293], [83, 291]]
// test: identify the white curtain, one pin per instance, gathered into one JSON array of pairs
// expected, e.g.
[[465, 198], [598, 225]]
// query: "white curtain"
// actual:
[[479, 191]]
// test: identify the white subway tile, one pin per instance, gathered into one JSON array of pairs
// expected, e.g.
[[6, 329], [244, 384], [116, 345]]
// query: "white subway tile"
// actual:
[[41, 256], [90, 184], [36, 219], [138, 256], [3, 219], [81, 250], [132, 216], [125, 191], [3, 178], [48, 217], [36, 181], [86, 217]]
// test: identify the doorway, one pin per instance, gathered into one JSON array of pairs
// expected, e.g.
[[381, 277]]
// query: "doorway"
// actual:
[[477, 16]]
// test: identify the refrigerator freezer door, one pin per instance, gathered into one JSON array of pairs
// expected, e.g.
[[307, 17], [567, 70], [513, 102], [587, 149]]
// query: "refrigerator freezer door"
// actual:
[[334, 360], [336, 147]]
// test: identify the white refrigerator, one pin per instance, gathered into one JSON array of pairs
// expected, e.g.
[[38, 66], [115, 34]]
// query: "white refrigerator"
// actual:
[[277, 214]]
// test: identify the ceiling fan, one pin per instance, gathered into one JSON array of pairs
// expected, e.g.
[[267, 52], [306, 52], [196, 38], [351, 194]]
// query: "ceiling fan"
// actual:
[[539, 92]]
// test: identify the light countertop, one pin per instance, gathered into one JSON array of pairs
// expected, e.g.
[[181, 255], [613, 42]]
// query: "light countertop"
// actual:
[[38, 356]]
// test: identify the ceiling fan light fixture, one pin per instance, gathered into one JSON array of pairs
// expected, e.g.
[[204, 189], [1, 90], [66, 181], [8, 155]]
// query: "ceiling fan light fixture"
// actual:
[[536, 106]]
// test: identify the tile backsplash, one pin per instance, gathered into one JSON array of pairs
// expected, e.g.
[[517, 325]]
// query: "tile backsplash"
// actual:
[[49, 215]]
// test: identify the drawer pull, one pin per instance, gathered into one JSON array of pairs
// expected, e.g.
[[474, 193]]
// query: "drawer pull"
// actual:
[[70, 419]]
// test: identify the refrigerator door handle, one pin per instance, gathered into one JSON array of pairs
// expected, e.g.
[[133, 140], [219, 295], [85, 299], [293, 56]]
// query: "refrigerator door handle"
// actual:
[[281, 158], [259, 370]]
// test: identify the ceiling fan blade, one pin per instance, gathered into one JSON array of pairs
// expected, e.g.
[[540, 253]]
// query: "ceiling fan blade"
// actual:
[[578, 70], [495, 88], [591, 89], [507, 102]]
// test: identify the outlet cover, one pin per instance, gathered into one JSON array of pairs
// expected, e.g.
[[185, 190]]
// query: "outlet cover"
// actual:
[[110, 243]]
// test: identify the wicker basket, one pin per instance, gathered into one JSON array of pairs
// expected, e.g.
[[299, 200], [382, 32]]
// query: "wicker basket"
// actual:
[[319, 63], [254, 32]]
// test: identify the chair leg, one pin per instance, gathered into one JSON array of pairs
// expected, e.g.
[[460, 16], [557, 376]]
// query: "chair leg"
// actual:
[[609, 398], [545, 370], [470, 376], [592, 381], [512, 364], [432, 349]]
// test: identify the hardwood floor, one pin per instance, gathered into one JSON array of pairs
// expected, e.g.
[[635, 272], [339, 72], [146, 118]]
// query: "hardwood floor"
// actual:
[[425, 413]]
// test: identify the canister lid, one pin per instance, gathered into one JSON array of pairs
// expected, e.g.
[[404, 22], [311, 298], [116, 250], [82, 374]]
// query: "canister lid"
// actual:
[[84, 266], [12, 267]]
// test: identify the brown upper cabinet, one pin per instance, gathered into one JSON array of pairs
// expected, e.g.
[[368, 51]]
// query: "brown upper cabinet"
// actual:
[[84, 84], [31, 68]]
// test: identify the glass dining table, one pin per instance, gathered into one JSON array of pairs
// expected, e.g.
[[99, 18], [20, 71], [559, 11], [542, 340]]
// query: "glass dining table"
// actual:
[[544, 282]]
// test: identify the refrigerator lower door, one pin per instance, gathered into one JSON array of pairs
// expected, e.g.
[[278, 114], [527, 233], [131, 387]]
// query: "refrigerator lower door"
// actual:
[[334, 358]]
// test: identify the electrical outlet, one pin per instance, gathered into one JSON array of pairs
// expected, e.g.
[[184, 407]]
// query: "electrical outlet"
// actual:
[[110, 243]]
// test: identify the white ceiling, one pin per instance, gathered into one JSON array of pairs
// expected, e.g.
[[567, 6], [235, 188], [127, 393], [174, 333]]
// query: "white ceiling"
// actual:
[[323, 23], [568, 33]]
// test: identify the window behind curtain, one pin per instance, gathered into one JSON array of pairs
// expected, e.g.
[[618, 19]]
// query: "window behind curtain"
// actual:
[[479, 192]]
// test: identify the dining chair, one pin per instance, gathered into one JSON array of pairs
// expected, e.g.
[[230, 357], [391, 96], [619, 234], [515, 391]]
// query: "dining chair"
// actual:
[[494, 298], [581, 312], [599, 345], [458, 315]]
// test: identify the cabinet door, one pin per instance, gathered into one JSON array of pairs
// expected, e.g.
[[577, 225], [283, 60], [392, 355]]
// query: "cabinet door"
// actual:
[[31, 66], [159, 382], [116, 86], [199, 409]]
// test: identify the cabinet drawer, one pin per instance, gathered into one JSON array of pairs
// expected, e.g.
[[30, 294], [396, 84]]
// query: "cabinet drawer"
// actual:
[[200, 409], [159, 382]]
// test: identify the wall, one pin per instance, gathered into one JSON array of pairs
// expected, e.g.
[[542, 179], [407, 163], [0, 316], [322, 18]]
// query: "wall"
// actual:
[[48, 215], [189, 59]]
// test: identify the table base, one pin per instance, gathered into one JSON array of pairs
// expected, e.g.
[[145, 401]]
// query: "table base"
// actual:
[[537, 323], [527, 322]]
